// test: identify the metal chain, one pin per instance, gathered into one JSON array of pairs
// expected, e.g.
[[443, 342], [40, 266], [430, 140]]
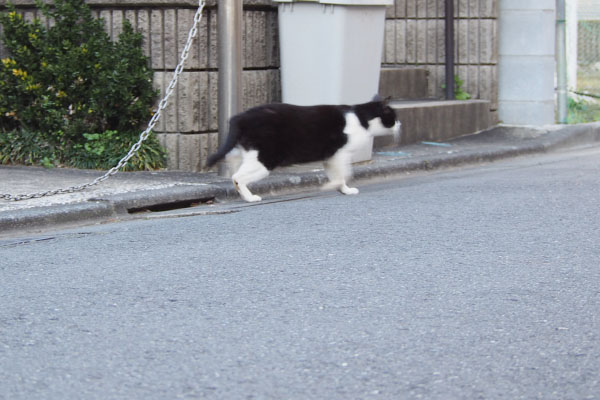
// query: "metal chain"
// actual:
[[143, 136]]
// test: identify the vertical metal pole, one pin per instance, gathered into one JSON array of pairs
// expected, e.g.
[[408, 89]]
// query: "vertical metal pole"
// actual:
[[449, 10], [561, 62], [229, 22]]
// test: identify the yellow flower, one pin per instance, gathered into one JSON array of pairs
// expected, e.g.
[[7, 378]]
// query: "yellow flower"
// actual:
[[19, 73], [61, 94], [32, 87], [8, 62]]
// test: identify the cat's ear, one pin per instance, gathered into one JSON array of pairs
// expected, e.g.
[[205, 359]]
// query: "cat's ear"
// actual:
[[379, 99]]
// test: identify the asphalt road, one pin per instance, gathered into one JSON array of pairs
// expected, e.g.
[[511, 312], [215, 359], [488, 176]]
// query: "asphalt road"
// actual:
[[463, 284]]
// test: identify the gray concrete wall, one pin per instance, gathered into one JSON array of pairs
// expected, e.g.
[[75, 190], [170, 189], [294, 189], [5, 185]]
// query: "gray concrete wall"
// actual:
[[414, 36], [527, 62]]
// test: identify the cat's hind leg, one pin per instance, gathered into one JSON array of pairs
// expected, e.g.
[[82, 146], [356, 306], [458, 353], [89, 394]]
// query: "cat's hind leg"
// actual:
[[234, 160], [250, 170], [338, 170]]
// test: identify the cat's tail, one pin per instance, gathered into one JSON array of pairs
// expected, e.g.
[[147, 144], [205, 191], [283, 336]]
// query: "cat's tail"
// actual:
[[230, 142]]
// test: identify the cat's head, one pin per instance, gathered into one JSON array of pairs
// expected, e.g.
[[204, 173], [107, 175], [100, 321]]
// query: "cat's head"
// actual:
[[383, 119]]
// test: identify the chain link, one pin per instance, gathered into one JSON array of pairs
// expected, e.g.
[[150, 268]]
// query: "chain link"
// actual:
[[143, 136]]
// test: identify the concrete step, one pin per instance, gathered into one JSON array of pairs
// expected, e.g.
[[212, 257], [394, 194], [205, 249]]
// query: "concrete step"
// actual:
[[404, 83], [437, 120]]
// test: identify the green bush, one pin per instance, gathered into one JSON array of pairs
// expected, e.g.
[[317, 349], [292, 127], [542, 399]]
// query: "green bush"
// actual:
[[67, 88], [102, 151], [581, 111]]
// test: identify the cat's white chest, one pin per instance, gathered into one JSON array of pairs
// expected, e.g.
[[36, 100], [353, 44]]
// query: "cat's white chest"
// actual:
[[358, 136]]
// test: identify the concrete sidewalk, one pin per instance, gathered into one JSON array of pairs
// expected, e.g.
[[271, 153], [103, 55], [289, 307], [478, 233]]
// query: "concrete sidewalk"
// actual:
[[134, 191]]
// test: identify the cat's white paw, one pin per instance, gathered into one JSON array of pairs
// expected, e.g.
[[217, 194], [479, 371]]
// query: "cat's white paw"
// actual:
[[349, 190], [253, 198]]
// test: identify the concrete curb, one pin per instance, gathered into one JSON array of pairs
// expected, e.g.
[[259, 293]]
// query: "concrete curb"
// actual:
[[39, 217], [115, 206]]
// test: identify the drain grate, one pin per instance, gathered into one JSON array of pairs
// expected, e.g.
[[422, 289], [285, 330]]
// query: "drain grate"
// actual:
[[170, 206]]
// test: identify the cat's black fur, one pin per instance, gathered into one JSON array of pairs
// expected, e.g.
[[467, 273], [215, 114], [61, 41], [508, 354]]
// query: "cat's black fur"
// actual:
[[284, 134]]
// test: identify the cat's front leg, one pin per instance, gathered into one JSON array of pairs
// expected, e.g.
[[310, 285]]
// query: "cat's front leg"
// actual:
[[338, 170], [348, 190], [341, 187]]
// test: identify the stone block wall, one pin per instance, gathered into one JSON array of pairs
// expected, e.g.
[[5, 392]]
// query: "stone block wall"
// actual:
[[414, 37], [189, 127]]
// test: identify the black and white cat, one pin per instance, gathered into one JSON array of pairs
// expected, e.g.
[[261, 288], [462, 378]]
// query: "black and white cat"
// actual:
[[273, 135]]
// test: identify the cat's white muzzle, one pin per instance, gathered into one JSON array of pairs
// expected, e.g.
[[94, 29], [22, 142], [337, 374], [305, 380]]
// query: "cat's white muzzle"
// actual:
[[376, 128]]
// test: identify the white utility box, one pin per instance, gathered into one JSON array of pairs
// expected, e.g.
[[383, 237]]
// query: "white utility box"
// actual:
[[331, 52]]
